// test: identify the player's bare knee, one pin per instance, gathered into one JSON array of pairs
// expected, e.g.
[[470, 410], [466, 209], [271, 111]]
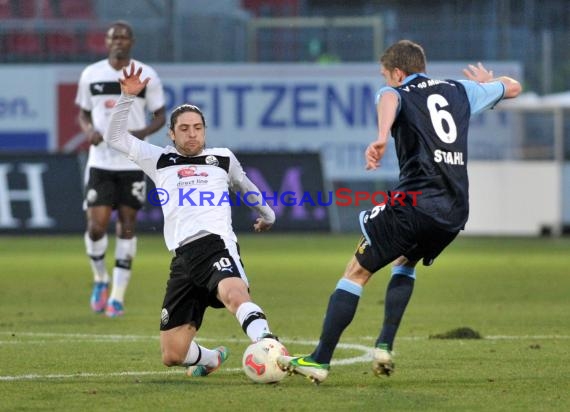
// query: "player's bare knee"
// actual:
[[356, 273], [126, 231], [96, 231], [234, 298], [170, 361], [404, 261], [232, 292], [172, 358]]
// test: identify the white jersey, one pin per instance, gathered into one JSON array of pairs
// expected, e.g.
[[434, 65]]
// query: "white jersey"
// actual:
[[193, 191], [98, 91]]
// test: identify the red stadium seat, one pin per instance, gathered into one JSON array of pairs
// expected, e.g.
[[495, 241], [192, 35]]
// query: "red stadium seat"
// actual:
[[76, 9], [62, 44], [5, 9], [24, 44], [34, 8], [95, 42], [264, 8]]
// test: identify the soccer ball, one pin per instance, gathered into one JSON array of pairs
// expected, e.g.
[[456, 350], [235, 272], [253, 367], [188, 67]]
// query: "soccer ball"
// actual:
[[260, 361]]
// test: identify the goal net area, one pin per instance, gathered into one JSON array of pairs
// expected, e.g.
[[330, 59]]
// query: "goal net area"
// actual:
[[315, 39]]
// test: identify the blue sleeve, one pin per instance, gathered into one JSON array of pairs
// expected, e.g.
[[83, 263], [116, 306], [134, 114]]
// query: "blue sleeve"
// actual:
[[483, 96], [385, 89]]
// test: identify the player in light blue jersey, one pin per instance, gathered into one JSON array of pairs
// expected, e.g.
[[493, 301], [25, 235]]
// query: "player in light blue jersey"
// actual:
[[429, 121]]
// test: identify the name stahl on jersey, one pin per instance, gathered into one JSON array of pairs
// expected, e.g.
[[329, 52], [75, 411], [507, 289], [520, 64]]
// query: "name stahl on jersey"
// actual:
[[430, 132], [98, 92]]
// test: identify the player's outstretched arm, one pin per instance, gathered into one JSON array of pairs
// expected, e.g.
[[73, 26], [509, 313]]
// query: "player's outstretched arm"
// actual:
[[386, 110], [239, 182], [116, 134], [266, 217], [131, 83], [480, 74]]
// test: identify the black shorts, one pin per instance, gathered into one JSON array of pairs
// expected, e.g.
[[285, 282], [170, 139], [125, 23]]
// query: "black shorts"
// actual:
[[394, 231], [115, 188], [195, 272]]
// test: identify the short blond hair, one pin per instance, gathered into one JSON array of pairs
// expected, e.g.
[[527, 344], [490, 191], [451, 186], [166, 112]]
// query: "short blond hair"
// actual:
[[406, 56]]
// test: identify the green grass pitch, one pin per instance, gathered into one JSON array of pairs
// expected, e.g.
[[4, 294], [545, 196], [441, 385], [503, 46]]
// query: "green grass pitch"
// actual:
[[57, 355]]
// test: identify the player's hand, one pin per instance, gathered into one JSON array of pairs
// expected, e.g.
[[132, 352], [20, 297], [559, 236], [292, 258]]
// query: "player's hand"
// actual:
[[373, 154], [478, 73], [94, 137], [131, 82], [262, 225]]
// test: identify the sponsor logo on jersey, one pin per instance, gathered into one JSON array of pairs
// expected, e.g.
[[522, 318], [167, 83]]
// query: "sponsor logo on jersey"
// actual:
[[190, 171], [212, 160]]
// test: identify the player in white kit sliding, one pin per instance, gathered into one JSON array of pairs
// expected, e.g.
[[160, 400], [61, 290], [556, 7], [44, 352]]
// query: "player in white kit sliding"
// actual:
[[206, 270]]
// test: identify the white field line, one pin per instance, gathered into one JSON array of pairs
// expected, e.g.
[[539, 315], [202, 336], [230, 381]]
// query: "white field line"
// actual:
[[364, 357], [490, 337], [82, 337], [33, 377], [65, 337]]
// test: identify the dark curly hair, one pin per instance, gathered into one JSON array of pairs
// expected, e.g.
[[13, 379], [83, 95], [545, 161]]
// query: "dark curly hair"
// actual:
[[183, 108]]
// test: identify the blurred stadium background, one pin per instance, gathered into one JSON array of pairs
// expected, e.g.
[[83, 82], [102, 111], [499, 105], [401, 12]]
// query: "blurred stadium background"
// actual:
[[289, 85]]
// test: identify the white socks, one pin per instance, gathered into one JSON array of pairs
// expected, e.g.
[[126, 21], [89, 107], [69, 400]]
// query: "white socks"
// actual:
[[96, 252], [252, 320], [125, 250], [199, 355]]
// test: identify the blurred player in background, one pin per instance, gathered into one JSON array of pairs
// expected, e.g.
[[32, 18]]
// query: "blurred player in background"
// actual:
[[113, 181], [206, 270], [429, 120]]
